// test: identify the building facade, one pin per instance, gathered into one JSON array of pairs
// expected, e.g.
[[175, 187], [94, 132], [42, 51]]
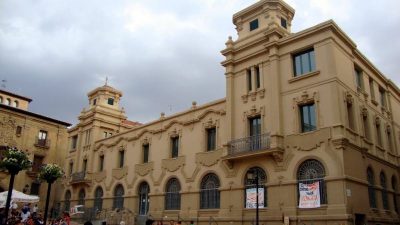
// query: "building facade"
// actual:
[[43, 138], [301, 109]]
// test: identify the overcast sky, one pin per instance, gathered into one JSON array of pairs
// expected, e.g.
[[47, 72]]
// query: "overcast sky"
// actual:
[[161, 54]]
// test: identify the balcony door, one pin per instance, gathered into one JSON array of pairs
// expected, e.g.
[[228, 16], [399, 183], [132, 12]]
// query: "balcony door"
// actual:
[[255, 133]]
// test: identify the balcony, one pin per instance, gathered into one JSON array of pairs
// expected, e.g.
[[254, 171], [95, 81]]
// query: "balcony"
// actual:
[[42, 143], [80, 177], [252, 146]]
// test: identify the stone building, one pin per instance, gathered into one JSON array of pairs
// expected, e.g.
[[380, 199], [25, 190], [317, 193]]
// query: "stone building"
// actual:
[[303, 109], [42, 137]]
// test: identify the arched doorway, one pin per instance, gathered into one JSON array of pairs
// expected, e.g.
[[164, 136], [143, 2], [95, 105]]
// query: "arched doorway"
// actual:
[[144, 202]]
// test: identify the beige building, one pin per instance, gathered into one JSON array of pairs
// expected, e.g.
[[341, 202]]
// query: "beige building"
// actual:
[[42, 137], [302, 110]]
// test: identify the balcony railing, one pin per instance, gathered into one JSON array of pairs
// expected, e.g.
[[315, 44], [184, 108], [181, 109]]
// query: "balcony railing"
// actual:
[[249, 144], [42, 143], [78, 177]]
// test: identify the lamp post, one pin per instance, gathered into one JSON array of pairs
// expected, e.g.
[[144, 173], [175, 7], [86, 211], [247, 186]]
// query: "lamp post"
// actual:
[[253, 175]]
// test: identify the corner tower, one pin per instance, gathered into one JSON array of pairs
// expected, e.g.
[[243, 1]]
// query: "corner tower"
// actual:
[[264, 16]]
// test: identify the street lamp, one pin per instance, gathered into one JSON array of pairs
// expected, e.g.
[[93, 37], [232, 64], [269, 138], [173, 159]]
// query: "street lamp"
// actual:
[[253, 175]]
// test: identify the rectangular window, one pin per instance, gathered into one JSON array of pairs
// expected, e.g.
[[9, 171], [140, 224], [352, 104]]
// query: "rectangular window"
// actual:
[[249, 82], [105, 134], [211, 138], [35, 187], [71, 167], [110, 101], [146, 148], [255, 126], [74, 141], [101, 163], [94, 101], [121, 158], [366, 127], [389, 138], [258, 78], [371, 88], [304, 62], [84, 166], [378, 134], [37, 163], [42, 138], [359, 78], [174, 147], [350, 115], [87, 137], [283, 23], [382, 95], [307, 114], [18, 131], [254, 24]]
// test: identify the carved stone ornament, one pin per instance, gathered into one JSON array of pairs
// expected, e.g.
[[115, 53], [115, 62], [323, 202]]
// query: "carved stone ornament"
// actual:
[[174, 133], [119, 173], [208, 158], [348, 98], [174, 164], [210, 123], [144, 169], [146, 141], [245, 98], [305, 98], [364, 111], [388, 128], [100, 176], [253, 112], [377, 120], [7, 127]]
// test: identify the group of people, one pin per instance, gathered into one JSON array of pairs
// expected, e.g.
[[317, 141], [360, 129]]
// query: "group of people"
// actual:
[[65, 220], [26, 215]]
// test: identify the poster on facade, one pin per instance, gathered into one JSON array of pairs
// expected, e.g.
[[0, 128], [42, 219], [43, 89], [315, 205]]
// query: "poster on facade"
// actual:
[[309, 195], [251, 201]]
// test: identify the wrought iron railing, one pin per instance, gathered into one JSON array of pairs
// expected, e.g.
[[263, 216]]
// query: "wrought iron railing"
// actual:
[[249, 144], [44, 143], [79, 176]]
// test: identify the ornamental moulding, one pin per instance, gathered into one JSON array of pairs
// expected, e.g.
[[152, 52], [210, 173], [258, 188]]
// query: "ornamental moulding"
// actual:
[[208, 158], [172, 165]]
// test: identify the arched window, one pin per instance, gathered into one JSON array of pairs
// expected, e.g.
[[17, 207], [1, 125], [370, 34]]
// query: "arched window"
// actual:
[[255, 176], [209, 193], [172, 195], [98, 199], [371, 189], [144, 201], [81, 197], [8, 101], [394, 188], [67, 201], [312, 171], [15, 104], [385, 201], [1, 100], [118, 197]]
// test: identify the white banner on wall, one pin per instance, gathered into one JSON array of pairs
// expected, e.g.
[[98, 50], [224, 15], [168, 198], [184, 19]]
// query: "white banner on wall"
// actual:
[[251, 201], [309, 195]]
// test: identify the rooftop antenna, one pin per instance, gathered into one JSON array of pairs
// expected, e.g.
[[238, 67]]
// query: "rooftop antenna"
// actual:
[[106, 80], [3, 84]]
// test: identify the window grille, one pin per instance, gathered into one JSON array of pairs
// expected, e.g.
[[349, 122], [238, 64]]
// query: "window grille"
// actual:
[[394, 187], [385, 201], [118, 197], [251, 183], [371, 189], [67, 201], [144, 202], [209, 193], [311, 171], [172, 195], [81, 199], [98, 199]]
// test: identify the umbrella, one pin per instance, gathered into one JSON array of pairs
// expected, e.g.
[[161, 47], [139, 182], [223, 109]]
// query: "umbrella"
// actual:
[[17, 196]]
